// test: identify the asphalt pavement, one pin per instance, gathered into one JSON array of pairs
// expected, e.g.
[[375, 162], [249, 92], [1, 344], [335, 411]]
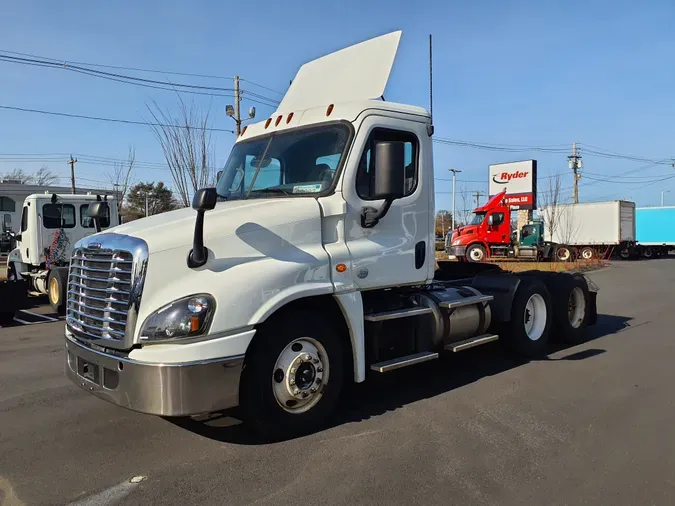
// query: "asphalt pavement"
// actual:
[[591, 424]]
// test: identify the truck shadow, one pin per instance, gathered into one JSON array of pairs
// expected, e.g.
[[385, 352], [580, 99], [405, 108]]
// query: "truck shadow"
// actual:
[[388, 392]]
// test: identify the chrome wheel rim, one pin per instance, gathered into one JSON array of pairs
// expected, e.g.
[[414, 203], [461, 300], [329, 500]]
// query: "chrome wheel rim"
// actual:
[[476, 254], [587, 253], [300, 375], [563, 254], [53, 291], [535, 317]]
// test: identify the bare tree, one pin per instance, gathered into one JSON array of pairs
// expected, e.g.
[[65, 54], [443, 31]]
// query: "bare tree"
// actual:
[[18, 175], [120, 177], [185, 139], [552, 208], [465, 209], [44, 177]]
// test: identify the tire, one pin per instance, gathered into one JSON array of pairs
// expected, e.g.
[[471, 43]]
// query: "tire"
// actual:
[[625, 253], [563, 254], [648, 253], [528, 331], [571, 310], [269, 376], [11, 272], [57, 283], [587, 253], [476, 253]]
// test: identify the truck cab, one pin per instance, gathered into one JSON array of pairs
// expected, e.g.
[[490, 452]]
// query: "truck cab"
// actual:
[[310, 265], [51, 224], [487, 234]]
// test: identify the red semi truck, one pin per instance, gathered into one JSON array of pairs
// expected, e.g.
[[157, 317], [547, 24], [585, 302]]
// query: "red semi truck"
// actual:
[[588, 230]]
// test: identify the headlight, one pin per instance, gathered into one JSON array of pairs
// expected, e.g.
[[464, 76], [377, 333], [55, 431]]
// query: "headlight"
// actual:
[[455, 243], [187, 317]]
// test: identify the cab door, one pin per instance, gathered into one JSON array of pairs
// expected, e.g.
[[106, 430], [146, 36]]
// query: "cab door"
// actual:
[[395, 251]]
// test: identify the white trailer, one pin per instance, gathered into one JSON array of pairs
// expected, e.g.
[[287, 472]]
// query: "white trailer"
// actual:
[[590, 229]]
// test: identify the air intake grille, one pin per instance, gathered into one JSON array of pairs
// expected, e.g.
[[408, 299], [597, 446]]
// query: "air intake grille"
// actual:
[[99, 293]]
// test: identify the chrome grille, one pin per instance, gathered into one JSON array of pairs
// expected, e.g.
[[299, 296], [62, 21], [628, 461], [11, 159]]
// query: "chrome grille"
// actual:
[[100, 288]]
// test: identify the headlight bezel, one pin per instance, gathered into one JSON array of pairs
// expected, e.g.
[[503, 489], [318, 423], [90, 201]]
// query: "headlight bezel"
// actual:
[[162, 317]]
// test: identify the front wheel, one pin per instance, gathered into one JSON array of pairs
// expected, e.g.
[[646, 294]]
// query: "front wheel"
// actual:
[[587, 253], [56, 289], [476, 253], [530, 323], [293, 376]]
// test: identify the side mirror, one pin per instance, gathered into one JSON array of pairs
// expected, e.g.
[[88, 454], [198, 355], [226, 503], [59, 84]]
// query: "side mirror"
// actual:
[[389, 172], [97, 211], [491, 220], [218, 174], [389, 158], [204, 200]]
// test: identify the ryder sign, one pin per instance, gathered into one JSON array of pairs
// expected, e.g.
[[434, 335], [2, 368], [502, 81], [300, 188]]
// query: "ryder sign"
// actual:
[[519, 179]]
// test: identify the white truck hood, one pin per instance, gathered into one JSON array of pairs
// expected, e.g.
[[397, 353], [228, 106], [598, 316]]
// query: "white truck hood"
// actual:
[[176, 228]]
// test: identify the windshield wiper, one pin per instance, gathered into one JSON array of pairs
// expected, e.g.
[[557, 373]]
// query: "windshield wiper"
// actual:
[[272, 189]]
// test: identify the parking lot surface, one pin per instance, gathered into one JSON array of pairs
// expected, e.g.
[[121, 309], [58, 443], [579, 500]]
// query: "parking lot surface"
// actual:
[[591, 424]]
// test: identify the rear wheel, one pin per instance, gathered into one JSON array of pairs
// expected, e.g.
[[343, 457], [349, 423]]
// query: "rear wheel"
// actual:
[[528, 331], [56, 289], [293, 376], [648, 252], [476, 253], [563, 254], [571, 311], [587, 253]]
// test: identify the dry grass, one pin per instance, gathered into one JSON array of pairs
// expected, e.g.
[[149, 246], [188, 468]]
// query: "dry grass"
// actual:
[[516, 265], [3, 272]]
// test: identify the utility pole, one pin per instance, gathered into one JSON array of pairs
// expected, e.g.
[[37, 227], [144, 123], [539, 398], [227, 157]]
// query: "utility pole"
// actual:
[[72, 163], [146, 204], [454, 176], [237, 105], [662, 192], [575, 164], [478, 195]]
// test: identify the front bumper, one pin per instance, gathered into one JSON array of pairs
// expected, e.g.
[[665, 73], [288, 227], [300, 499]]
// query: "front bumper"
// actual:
[[190, 388], [458, 251]]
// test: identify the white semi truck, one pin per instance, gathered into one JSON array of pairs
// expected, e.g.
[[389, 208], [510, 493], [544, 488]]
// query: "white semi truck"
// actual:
[[311, 265], [51, 224]]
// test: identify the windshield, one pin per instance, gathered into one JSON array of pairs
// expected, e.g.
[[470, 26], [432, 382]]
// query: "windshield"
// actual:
[[296, 162], [477, 219]]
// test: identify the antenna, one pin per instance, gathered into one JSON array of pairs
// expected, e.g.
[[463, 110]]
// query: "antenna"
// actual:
[[431, 83]]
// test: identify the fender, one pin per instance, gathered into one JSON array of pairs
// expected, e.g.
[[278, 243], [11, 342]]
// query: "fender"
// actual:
[[351, 305]]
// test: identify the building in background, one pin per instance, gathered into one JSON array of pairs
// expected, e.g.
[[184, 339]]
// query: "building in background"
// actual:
[[12, 195]]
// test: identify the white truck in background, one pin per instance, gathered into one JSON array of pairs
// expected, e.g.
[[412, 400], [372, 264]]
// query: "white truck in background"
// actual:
[[311, 265], [591, 229], [51, 224]]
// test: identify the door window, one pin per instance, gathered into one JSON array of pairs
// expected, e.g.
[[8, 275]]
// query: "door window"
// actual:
[[365, 173], [87, 222], [58, 215], [24, 219]]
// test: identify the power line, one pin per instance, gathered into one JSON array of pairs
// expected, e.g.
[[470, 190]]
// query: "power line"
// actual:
[[138, 69], [215, 91], [110, 120]]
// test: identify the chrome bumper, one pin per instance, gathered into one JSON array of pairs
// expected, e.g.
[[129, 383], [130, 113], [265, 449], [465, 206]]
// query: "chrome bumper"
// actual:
[[190, 388], [458, 251]]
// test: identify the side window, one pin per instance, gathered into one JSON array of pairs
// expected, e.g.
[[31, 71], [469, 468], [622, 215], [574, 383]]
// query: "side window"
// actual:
[[87, 222], [24, 219], [498, 218], [364, 174], [7, 204], [58, 215]]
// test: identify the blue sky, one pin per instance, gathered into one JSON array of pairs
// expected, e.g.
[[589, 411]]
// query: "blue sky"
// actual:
[[529, 73]]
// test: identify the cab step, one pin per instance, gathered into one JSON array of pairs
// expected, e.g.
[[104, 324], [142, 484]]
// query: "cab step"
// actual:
[[471, 342], [400, 362], [397, 313]]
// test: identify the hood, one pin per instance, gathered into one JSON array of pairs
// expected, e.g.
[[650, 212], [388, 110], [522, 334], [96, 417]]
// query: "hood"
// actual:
[[176, 228]]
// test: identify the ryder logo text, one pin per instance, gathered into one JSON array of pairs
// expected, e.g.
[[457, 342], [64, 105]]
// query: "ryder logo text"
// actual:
[[505, 177]]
